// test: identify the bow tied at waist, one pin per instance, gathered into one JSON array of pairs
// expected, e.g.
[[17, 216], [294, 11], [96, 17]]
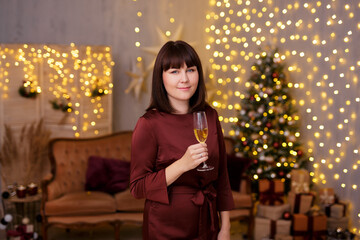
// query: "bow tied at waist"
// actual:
[[205, 199]]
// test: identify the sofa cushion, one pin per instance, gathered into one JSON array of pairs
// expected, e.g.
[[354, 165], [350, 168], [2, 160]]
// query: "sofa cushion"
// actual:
[[107, 174], [236, 167], [126, 202], [81, 203]]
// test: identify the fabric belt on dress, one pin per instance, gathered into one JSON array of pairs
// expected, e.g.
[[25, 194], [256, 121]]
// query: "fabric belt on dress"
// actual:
[[203, 198]]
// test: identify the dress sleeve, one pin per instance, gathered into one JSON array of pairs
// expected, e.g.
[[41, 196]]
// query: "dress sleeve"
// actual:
[[145, 182], [225, 201]]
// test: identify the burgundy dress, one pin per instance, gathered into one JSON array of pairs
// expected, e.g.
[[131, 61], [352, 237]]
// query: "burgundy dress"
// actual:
[[187, 209]]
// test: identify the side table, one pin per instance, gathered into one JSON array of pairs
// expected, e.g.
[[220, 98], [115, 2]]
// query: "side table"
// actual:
[[20, 208]]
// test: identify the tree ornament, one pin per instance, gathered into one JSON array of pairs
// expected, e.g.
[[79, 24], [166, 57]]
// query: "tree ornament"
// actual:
[[269, 159], [292, 138], [262, 123], [275, 75], [299, 153], [286, 215]]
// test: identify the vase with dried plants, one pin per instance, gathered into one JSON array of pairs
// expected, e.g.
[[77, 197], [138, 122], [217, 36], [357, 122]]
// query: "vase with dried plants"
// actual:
[[24, 155]]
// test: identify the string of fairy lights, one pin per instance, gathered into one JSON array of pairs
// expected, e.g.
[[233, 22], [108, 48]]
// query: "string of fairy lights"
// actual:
[[76, 76], [317, 41]]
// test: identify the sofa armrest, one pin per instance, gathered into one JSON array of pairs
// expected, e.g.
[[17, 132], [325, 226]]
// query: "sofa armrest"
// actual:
[[50, 188]]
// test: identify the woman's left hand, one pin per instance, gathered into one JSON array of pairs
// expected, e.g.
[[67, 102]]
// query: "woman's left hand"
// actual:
[[224, 234]]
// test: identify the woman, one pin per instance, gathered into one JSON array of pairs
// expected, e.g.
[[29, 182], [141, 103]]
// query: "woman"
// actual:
[[181, 202]]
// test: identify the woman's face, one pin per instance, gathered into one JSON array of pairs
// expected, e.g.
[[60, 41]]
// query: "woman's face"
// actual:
[[180, 85]]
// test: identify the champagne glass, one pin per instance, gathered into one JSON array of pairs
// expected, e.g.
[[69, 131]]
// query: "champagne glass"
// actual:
[[201, 133]]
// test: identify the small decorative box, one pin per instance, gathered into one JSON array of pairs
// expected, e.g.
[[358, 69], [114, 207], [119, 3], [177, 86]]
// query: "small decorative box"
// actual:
[[309, 227], [266, 228], [326, 196], [300, 181], [335, 223], [336, 210], [272, 212], [300, 202], [271, 192]]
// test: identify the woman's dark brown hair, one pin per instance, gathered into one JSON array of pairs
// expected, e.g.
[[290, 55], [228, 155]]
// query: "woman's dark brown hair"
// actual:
[[174, 54]]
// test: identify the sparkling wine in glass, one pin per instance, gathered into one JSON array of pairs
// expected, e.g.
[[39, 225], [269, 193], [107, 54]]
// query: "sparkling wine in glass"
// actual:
[[201, 133]]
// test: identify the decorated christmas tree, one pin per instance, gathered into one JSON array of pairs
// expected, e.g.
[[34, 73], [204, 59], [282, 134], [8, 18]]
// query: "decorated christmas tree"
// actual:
[[267, 130]]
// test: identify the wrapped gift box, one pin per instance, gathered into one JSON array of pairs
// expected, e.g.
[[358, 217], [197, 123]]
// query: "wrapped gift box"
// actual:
[[336, 210], [271, 192], [309, 227], [300, 202], [300, 181], [334, 223], [272, 212], [326, 196], [266, 228]]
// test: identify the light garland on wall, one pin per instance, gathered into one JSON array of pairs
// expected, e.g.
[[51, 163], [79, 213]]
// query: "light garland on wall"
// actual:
[[138, 72], [72, 75], [318, 40]]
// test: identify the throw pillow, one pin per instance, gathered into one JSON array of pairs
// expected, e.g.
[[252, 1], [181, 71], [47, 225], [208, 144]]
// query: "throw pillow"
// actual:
[[107, 175], [236, 167]]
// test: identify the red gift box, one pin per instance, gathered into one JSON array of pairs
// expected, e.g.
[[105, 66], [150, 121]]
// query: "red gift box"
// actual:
[[309, 227], [271, 192]]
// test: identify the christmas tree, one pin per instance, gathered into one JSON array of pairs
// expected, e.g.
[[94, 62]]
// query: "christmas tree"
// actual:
[[267, 130]]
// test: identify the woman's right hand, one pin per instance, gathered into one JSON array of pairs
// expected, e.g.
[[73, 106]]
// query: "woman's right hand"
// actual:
[[194, 156]]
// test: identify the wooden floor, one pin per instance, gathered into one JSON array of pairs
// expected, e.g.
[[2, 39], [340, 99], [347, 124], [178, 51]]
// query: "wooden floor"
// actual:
[[127, 232]]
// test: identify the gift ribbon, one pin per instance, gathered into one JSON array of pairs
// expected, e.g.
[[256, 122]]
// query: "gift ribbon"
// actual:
[[272, 228], [326, 198], [297, 202], [270, 196], [310, 233], [20, 231], [301, 185]]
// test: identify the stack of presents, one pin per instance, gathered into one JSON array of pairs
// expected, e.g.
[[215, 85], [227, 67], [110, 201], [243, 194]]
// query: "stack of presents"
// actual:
[[301, 215]]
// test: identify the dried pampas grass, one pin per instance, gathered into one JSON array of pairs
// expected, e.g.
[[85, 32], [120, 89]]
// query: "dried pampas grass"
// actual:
[[23, 157]]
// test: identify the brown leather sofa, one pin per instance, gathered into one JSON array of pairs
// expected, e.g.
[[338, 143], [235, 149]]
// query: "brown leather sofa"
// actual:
[[66, 203]]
